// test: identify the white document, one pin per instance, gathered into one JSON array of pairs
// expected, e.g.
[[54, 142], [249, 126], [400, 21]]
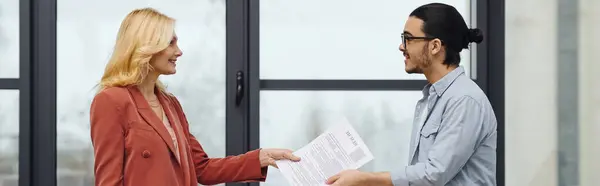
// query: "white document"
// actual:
[[337, 149]]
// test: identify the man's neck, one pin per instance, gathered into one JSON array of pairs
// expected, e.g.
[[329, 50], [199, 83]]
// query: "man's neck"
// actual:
[[436, 72]]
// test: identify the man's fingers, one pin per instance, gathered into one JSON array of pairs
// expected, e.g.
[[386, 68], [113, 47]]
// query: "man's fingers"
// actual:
[[337, 184], [332, 179]]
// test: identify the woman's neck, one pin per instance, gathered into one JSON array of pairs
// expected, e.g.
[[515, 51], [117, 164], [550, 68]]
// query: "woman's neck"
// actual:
[[148, 85]]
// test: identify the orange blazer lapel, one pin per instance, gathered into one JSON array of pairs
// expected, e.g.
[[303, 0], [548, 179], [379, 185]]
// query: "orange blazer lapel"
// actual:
[[150, 117], [173, 115]]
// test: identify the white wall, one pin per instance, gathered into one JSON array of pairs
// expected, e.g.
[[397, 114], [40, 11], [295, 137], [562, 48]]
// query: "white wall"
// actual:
[[589, 91], [531, 105], [531, 94]]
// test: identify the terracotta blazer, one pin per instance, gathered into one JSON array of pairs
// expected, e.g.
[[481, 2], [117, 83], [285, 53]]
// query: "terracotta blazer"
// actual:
[[132, 147]]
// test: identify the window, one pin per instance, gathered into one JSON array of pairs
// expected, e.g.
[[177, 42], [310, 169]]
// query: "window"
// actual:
[[313, 57], [322, 60], [86, 33], [9, 38], [9, 137], [383, 119], [338, 39]]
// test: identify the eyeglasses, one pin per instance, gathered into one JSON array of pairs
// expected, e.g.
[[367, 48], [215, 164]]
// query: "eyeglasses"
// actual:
[[406, 38]]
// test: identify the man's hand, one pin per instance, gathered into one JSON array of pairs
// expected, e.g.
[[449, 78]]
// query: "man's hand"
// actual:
[[349, 178], [268, 156]]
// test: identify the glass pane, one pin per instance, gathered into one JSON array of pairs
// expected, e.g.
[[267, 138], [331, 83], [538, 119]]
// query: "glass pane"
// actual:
[[291, 119], [9, 38], [337, 39], [86, 35], [9, 137]]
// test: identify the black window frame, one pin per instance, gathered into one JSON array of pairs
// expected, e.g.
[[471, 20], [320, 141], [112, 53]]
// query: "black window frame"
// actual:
[[37, 82], [37, 87], [489, 69]]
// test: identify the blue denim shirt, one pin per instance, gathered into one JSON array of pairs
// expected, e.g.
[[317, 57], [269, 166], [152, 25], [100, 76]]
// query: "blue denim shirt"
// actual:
[[455, 144]]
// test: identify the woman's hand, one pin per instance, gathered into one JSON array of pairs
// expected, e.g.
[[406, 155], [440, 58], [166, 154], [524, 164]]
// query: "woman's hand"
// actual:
[[269, 156]]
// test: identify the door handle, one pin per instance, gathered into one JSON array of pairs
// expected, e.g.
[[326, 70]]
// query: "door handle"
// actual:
[[239, 88]]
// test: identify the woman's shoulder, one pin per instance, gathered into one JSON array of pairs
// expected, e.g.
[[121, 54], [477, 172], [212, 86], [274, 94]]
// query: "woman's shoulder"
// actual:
[[112, 94], [170, 96]]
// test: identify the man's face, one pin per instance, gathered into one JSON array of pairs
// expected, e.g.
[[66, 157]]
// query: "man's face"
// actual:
[[415, 47]]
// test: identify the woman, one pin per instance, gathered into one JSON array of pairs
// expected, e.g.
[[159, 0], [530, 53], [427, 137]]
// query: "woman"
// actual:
[[139, 131]]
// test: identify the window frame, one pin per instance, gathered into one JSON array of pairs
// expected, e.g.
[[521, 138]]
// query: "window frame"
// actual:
[[488, 72], [37, 82]]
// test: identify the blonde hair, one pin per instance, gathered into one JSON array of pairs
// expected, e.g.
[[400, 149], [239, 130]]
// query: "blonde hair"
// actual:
[[143, 33]]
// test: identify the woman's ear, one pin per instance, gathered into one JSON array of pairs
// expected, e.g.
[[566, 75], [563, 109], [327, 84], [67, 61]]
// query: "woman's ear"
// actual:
[[435, 46]]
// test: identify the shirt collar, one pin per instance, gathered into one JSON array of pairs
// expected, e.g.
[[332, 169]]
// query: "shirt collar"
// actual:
[[442, 85]]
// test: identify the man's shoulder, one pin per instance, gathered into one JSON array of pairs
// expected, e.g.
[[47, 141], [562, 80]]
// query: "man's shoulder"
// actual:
[[465, 88]]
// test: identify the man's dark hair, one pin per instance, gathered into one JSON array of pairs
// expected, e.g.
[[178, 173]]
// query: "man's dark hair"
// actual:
[[444, 22]]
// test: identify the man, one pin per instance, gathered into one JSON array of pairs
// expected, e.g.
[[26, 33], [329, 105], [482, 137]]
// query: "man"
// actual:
[[454, 132]]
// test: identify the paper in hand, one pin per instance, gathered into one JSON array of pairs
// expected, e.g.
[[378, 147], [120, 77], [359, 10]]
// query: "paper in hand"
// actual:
[[337, 149]]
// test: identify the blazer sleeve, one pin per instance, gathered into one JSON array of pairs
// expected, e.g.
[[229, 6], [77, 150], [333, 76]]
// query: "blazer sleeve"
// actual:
[[107, 140], [210, 171]]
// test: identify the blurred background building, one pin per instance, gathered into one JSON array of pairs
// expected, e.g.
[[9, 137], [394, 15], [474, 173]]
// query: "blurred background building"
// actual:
[[304, 65]]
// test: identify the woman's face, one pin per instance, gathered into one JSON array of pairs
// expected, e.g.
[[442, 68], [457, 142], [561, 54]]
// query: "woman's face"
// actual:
[[165, 61]]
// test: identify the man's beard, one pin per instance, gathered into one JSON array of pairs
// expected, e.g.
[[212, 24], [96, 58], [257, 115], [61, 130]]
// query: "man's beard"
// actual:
[[423, 61]]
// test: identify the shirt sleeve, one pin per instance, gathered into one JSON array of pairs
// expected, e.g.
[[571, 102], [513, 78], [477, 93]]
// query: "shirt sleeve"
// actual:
[[455, 142]]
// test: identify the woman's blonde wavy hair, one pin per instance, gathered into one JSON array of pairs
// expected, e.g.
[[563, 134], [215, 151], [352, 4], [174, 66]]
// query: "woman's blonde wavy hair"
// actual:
[[142, 34]]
